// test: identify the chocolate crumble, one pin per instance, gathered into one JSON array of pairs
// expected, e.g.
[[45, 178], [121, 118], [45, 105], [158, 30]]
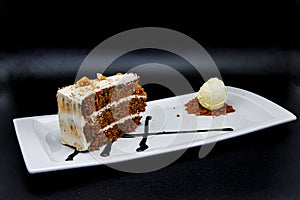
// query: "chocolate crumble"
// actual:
[[194, 107]]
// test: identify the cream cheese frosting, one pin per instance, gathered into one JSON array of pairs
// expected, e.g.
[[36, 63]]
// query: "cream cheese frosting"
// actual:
[[79, 93]]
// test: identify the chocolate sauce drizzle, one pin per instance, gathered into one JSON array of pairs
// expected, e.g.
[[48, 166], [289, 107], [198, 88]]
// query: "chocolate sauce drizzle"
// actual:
[[107, 149], [177, 132], [143, 145], [72, 155]]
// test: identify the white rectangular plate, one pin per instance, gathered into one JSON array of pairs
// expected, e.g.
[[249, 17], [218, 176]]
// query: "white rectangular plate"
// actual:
[[39, 136]]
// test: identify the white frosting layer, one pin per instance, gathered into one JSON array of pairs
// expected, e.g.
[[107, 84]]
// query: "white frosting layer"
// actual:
[[74, 118], [74, 136], [79, 93]]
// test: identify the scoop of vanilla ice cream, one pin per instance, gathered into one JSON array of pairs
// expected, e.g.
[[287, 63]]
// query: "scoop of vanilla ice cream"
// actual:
[[212, 94]]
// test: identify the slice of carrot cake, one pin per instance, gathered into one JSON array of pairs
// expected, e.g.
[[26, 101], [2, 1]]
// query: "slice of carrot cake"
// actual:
[[93, 112]]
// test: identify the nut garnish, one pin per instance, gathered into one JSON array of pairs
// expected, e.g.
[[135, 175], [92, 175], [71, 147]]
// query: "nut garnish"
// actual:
[[100, 77], [84, 81]]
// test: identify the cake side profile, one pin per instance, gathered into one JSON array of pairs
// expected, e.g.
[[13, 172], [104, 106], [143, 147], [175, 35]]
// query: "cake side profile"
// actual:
[[93, 112]]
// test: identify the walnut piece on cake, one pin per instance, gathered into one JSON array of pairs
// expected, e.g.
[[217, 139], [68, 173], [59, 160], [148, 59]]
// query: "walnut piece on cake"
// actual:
[[84, 81]]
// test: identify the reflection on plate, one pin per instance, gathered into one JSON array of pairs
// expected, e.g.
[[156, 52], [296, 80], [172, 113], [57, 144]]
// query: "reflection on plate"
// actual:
[[39, 137]]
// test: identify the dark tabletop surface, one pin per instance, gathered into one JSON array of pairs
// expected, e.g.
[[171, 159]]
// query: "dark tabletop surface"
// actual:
[[259, 53]]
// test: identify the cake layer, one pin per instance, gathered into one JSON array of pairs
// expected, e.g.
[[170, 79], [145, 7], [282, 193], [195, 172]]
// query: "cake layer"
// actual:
[[114, 132], [118, 111], [115, 93], [102, 98]]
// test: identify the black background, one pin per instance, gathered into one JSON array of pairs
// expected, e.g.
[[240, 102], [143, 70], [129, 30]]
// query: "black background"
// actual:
[[255, 44], [83, 24]]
